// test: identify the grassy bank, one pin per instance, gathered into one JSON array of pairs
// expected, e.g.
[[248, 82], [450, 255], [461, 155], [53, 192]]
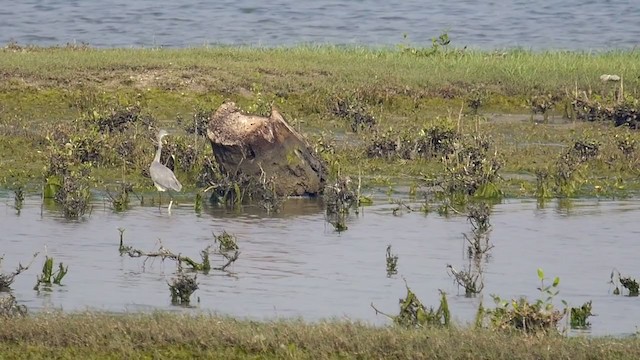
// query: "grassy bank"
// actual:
[[94, 335], [53, 99]]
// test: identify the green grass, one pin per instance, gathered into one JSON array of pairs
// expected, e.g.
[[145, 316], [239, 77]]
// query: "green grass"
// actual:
[[43, 88], [162, 335]]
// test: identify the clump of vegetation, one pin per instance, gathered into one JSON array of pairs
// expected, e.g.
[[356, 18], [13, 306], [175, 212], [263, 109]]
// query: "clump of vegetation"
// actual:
[[472, 170], [7, 279], [392, 262], [201, 118], [579, 316], [413, 314], [542, 104], [18, 197], [352, 109], [475, 99], [182, 287], [339, 198], [632, 286], [530, 317], [478, 215], [428, 143], [471, 281], [439, 45], [120, 200], [625, 113], [226, 241], [9, 307], [48, 276], [73, 195]]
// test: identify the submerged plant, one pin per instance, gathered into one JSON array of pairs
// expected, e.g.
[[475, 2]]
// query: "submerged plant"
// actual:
[[339, 198]]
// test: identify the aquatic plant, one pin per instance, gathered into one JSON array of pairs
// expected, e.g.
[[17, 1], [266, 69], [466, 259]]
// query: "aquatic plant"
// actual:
[[413, 314], [339, 198], [542, 104], [392, 262], [478, 215], [48, 276], [530, 317], [120, 200], [226, 241], [182, 287], [628, 283], [471, 281], [579, 316]]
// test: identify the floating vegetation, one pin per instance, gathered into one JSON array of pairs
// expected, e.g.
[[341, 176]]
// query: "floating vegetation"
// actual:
[[7, 279], [579, 316], [48, 276], [392, 262], [530, 317], [413, 314], [9, 307]]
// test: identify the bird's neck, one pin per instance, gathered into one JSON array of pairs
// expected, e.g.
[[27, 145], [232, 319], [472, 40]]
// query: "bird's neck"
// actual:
[[158, 152]]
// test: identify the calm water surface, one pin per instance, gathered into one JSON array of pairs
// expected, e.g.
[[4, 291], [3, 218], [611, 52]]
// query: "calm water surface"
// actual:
[[545, 24], [294, 264]]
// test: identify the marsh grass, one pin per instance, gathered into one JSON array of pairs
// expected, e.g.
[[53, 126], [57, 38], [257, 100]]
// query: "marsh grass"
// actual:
[[160, 335], [96, 106]]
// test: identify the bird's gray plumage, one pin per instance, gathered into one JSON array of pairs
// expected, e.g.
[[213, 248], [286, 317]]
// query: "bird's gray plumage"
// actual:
[[163, 178]]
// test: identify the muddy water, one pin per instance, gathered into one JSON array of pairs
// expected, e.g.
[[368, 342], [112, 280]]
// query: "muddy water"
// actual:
[[294, 265]]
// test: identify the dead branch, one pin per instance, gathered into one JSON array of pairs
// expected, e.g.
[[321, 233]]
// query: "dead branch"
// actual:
[[7, 279]]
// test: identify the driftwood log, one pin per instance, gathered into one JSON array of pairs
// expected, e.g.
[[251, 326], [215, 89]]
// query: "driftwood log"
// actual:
[[265, 148]]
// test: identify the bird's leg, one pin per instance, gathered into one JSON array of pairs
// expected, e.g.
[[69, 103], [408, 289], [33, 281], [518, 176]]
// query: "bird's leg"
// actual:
[[169, 209], [159, 199]]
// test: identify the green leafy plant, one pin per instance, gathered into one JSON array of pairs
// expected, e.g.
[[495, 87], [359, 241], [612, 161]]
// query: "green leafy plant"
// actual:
[[413, 314], [579, 316], [540, 316], [48, 276]]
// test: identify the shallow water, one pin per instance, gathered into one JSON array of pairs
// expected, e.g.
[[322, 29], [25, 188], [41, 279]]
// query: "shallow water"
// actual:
[[294, 265], [545, 24]]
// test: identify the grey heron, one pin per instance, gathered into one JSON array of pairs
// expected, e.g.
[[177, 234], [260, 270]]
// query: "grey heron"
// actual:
[[163, 178]]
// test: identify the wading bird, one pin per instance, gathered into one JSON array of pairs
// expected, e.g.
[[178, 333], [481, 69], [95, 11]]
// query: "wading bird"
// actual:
[[163, 178]]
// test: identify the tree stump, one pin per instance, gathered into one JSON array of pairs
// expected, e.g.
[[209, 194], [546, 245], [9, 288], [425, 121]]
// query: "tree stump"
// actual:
[[265, 148]]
